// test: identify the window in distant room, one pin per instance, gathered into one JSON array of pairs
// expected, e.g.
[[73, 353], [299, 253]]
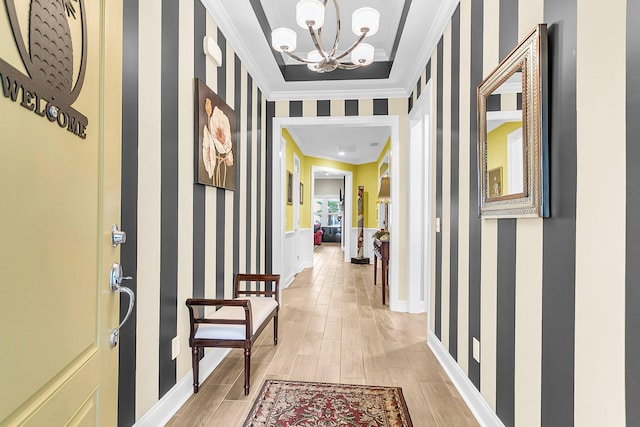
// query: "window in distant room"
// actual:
[[317, 210], [333, 212], [327, 211]]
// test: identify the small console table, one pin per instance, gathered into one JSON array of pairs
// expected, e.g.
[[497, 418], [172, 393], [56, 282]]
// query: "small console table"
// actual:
[[381, 251]]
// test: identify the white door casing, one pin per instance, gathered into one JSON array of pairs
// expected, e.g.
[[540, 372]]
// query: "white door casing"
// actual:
[[420, 210]]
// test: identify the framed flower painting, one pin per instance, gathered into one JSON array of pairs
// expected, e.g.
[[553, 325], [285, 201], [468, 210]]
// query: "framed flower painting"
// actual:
[[216, 149]]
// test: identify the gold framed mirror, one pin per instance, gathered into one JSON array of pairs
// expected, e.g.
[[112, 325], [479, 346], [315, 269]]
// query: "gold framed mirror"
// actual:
[[513, 172]]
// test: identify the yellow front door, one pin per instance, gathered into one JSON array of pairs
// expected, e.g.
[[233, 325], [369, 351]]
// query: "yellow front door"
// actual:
[[60, 142]]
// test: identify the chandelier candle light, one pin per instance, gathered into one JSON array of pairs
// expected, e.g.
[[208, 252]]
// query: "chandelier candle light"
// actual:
[[310, 15]]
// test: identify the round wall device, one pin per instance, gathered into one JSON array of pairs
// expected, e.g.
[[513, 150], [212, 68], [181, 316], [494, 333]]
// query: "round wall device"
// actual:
[[212, 50]]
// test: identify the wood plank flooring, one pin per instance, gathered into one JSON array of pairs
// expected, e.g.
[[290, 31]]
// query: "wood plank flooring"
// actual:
[[334, 328]]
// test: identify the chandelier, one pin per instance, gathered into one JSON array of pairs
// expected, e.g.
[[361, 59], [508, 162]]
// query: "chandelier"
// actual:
[[310, 16]]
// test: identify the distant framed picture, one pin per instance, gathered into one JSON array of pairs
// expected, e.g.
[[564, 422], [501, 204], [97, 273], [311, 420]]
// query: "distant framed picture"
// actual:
[[495, 182], [289, 188], [215, 146], [301, 193]]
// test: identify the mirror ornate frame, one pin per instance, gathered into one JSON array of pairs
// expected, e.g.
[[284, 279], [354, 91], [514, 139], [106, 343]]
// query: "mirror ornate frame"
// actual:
[[513, 173]]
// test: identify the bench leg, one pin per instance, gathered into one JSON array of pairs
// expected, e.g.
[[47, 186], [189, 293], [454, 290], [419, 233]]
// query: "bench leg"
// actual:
[[275, 329], [195, 361], [247, 369]]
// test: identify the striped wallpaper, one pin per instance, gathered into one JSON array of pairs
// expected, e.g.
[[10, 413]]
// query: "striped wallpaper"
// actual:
[[632, 243], [333, 108], [554, 303], [184, 239]]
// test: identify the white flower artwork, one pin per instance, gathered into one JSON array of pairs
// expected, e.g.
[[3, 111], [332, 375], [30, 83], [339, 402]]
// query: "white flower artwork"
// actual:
[[216, 165]]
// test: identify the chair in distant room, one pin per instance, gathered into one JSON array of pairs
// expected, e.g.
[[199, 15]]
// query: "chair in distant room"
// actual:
[[317, 234]]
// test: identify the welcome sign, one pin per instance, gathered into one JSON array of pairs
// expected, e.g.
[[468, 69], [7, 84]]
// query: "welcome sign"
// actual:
[[53, 50]]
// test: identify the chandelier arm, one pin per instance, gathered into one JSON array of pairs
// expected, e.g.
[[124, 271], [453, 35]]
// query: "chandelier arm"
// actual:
[[337, 39], [324, 2], [297, 58], [353, 46], [348, 66], [317, 42]]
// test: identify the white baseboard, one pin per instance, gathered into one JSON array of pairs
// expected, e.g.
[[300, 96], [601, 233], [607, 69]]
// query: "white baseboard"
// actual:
[[165, 408], [401, 306], [420, 307], [287, 281], [368, 243], [479, 407]]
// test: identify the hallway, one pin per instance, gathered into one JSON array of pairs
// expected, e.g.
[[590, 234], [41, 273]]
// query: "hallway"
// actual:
[[333, 328]]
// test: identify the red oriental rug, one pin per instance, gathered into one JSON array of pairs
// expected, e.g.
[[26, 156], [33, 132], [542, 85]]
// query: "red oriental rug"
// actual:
[[295, 403]]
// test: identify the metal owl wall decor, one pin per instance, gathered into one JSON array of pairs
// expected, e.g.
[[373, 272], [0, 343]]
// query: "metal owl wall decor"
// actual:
[[54, 56]]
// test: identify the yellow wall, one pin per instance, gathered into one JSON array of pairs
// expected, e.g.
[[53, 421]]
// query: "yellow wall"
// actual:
[[497, 150], [292, 148], [326, 163], [305, 207], [385, 150], [366, 175]]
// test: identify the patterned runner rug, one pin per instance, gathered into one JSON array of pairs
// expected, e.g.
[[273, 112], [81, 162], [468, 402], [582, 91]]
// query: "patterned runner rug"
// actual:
[[295, 403]]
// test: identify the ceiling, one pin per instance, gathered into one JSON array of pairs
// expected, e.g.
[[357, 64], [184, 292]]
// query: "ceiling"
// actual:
[[409, 31], [328, 175], [358, 144]]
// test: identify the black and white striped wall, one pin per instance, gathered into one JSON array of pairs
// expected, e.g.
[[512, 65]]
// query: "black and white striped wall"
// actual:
[[553, 303], [184, 239]]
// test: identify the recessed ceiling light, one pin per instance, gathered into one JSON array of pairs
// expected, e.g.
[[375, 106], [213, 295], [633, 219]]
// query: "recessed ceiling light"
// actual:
[[340, 153]]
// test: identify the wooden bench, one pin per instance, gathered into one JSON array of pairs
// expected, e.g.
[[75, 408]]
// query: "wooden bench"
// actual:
[[237, 323]]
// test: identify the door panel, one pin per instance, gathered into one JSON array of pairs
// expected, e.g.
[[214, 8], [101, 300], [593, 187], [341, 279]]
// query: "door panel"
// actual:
[[60, 197]]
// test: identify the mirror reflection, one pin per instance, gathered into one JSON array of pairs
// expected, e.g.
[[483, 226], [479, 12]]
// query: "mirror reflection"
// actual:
[[505, 153]]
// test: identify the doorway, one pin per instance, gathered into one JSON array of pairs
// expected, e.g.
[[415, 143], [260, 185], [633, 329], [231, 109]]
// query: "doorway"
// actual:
[[279, 196], [420, 217], [331, 191]]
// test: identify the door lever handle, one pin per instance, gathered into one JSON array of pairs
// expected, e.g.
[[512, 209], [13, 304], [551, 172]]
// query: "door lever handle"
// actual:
[[115, 333], [115, 279]]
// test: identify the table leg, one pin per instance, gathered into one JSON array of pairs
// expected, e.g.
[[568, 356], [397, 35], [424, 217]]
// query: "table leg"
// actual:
[[375, 269], [384, 282]]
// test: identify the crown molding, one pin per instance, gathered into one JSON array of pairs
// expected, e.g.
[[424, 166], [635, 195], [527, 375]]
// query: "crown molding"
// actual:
[[365, 93], [231, 33], [443, 16]]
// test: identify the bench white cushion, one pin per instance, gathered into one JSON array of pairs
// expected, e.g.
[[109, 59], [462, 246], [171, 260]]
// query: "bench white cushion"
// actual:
[[261, 307]]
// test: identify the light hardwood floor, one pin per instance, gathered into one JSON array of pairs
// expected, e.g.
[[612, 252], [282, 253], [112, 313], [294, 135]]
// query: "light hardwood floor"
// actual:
[[334, 328]]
